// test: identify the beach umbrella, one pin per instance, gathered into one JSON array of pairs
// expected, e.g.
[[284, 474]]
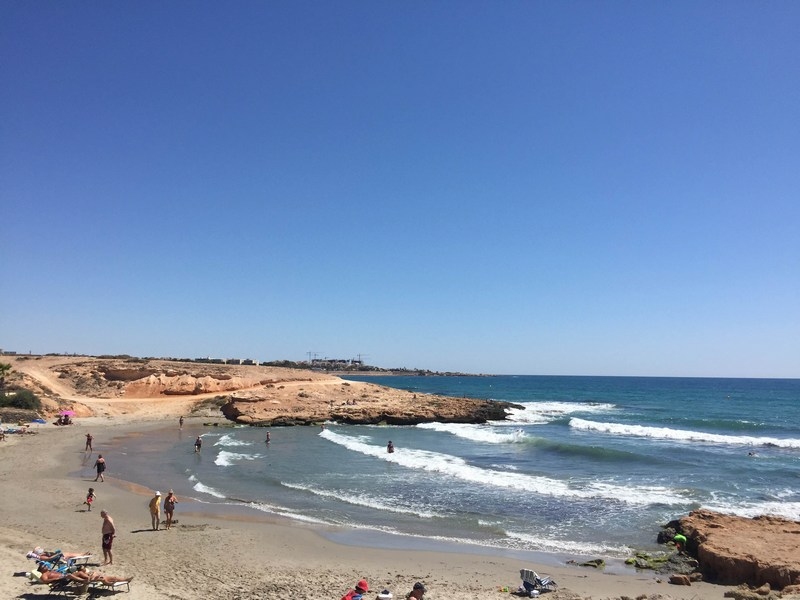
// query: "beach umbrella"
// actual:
[[69, 413]]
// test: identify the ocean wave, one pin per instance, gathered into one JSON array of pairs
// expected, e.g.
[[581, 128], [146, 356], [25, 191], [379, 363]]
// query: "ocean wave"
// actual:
[[229, 440], [285, 512], [204, 489], [476, 433], [545, 544], [225, 458], [582, 451], [508, 541], [364, 500], [787, 510], [458, 468], [539, 413], [681, 435]]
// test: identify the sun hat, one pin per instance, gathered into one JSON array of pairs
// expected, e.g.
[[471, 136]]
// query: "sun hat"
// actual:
[[419, 586], [158, 493], [362, 585]]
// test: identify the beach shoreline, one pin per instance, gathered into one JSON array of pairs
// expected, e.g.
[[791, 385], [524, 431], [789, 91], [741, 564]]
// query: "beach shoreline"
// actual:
[[256, 556]]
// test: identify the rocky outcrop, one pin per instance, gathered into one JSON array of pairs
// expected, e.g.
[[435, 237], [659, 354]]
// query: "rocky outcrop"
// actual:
[[396, 408], [734, 550], [249, 394]]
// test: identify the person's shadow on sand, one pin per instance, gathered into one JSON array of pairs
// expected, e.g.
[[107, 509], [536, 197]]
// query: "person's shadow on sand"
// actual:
[[148, 530]]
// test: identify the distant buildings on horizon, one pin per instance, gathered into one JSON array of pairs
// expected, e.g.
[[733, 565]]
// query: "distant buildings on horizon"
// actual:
[[342, 364], [314, 364]]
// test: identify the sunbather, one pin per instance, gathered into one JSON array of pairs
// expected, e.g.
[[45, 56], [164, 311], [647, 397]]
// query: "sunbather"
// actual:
[[84, 576], [54, 555], [49, 576], [80, 575]]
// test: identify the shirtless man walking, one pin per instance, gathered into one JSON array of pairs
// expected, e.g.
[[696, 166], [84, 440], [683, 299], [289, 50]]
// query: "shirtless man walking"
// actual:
[[109, 531]]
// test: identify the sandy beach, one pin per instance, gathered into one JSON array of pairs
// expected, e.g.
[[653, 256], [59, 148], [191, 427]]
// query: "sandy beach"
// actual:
[[213, 556]]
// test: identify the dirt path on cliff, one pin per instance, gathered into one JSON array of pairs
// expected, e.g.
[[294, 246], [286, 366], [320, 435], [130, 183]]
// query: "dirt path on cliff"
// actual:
[[42, 370]]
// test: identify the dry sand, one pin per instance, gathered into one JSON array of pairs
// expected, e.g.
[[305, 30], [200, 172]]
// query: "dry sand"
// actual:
[[208, 556]]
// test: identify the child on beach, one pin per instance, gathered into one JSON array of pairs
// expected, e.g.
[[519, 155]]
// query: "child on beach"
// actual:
[[90, 497], [358, 592]]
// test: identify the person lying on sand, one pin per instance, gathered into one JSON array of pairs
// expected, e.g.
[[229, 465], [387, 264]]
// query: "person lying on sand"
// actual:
[[54, 555], [81, 575], [84, 576]]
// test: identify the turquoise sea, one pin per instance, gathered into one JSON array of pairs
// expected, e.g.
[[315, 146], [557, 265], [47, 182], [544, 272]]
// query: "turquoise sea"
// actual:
[[588, 466]]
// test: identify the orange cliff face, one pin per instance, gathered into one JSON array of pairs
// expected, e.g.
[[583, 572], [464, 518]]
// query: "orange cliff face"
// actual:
[[246, 394], [734, 550]]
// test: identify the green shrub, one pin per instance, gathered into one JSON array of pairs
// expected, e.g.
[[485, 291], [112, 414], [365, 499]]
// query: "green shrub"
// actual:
[[21, 399]]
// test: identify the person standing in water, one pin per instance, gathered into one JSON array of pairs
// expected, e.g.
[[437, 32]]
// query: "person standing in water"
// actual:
[[390, 447], [100, 465], [198, 444], [180, 422]]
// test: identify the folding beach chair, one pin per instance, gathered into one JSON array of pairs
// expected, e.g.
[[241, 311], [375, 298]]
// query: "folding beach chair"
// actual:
[[93, 588], [62, 587], [114, 587], [533, 584]]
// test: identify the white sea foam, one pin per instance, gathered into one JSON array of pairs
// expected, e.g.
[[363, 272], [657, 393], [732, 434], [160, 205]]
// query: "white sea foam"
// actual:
[[545, 544], [204, 489], [363, 500], [285, 512], [457, 467], [681, 435], [476, 433], [787, 510], [225, 458], [229, 440], [512, 540], [539, 413]]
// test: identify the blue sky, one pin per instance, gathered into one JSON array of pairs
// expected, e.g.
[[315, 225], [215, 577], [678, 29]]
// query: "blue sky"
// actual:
[[588, 188]]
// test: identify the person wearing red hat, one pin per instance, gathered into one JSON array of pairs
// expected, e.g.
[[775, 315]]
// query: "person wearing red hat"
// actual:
[[360, 589]]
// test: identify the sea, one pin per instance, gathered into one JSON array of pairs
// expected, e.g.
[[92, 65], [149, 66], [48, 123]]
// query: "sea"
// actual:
[[586, 466]]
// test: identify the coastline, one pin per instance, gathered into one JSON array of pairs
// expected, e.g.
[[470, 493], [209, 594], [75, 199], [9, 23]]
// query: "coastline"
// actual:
[[237, 556]]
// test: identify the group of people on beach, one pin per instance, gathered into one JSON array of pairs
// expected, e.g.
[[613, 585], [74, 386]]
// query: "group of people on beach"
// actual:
[[56, 566], [80, 574], [155, 509], [362, 587]]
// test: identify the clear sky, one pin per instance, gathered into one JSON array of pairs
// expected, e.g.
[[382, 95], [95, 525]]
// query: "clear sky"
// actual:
[[596, 188]]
